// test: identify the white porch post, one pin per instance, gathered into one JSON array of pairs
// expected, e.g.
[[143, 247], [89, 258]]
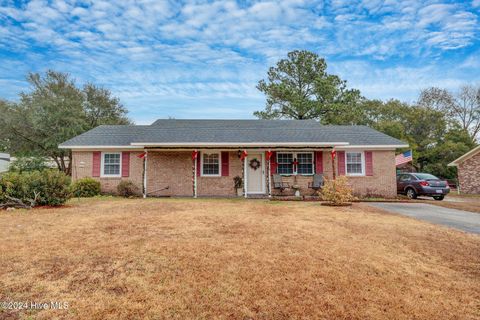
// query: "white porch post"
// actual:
[[269, 177], [195, 176], [145, 175], [245, 181]]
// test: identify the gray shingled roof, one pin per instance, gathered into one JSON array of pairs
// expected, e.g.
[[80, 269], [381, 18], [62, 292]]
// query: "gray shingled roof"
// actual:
[[230, 131]]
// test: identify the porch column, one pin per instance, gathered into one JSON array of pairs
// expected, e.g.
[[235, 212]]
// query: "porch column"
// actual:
[[245, 180], [195, 175], [145, 174], [269, 176]]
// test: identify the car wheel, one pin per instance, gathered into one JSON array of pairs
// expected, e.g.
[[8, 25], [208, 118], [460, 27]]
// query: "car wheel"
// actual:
[[439, 198], [411, 194]]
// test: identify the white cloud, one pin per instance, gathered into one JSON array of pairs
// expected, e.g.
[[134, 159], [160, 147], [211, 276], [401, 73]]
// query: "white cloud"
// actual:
[[167, 50]]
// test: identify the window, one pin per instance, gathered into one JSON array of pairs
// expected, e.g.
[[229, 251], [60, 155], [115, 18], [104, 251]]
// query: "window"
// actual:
[[111, 164], [304, 163], [405, 177], [211, 164], [285, 163], [355, 163]]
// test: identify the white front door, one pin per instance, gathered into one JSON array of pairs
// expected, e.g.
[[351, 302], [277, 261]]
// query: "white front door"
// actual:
[[255, 175]]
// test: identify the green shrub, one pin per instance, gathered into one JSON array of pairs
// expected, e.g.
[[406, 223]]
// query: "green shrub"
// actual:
[[86, 187], [47, 187], [22, 164], [337, 191], [127, 188]]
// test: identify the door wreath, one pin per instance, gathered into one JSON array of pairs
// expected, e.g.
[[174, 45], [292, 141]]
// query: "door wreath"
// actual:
[[255, 164]]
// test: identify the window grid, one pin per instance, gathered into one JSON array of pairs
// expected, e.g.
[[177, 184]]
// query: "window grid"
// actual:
[[354, 163], [285, 163], [111, 164], [305, 163], [211, 164]]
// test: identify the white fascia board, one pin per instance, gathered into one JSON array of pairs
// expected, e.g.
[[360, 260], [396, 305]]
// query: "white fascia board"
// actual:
[[100, 147], [374, 147], [239, 144]]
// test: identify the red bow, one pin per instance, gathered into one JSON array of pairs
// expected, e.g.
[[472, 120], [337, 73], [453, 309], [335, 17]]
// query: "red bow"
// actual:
[[334, 154], [244, 155], [269, 155], [142, 155], [194, 154]]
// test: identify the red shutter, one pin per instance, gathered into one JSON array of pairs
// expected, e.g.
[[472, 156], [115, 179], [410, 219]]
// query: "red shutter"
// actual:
[[125, 163], [341, 162], [273, 163], [225, 165], [368, 163], [318, 161], [198, 163], [96, 163]]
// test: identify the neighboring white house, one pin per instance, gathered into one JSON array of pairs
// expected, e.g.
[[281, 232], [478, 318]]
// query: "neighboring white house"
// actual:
[[4, 162]]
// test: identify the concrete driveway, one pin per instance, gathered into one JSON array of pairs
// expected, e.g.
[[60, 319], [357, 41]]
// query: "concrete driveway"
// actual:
[[458, 219]]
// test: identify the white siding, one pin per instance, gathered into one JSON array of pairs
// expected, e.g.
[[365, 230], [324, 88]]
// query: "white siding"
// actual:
[[4, 163]]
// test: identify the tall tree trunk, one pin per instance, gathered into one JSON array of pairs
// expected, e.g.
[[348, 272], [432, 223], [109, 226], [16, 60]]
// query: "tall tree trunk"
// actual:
[[70, 161]]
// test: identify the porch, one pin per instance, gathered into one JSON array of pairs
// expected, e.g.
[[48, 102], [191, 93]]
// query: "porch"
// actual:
[[211, 172]]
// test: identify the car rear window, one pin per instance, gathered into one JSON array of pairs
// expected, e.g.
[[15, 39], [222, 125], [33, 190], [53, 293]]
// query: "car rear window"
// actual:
[[425, 176]]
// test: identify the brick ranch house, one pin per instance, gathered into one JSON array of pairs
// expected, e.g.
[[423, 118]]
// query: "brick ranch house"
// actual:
[[468, 170], [193, 158]]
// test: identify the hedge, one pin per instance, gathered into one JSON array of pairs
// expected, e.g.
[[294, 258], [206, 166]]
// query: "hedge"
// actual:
[[85, 187], [47, 187]]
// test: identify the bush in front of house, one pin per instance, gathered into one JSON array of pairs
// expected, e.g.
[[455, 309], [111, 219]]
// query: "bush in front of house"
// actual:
[[126, 188], [85, 187], [33, 188], [337, 191]]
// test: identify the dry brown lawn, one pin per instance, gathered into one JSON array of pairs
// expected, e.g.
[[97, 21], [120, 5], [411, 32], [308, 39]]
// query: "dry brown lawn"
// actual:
[[234, 259]]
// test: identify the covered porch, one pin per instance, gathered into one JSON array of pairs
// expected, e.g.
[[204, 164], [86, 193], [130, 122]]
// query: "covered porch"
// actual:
[[210, 171]]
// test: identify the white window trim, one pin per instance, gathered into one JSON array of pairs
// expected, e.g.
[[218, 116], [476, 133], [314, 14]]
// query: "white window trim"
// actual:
[[295, 173], [219, 164], [362, 153], [102, 167]]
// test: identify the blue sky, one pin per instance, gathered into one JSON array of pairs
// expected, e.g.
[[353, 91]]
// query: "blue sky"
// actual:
[[204, 59]]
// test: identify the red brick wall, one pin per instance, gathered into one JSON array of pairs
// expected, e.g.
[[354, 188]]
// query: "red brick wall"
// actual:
[[173, 169], [381, 183], [83, 163], [469, 175]]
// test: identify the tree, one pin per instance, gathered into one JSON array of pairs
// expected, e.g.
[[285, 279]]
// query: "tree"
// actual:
[[54, 111], [462, 107], [299, 87]]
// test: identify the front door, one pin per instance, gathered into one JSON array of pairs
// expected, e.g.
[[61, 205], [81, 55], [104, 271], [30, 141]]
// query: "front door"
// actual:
[[255, 173]]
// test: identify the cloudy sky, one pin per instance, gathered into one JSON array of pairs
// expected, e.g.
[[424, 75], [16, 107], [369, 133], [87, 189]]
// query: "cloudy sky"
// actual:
[[203, 59]]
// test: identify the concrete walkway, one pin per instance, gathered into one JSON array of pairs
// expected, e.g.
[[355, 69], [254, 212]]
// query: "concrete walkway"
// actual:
[[458, 219]]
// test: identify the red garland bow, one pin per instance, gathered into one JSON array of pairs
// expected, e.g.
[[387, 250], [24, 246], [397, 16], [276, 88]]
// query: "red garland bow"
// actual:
[[334, 154], [244, 155], [142, 155], [269, 155], [194, 154]]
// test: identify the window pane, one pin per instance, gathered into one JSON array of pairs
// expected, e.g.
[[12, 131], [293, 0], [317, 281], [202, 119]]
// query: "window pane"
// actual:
[[111, 164], [354, 163], [285, 163], [211, 164], [305, 163], [284, 158], [285, 168]]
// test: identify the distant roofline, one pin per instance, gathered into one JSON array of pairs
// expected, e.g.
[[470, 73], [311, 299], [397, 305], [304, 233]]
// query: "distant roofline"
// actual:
[[466, 156]]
